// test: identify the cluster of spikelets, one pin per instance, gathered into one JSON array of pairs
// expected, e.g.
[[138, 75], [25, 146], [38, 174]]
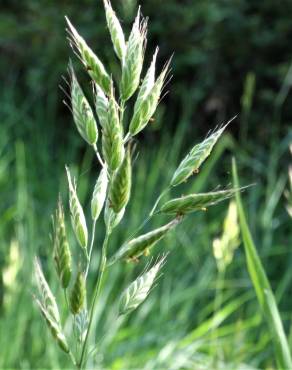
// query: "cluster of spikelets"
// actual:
[[112, 190]]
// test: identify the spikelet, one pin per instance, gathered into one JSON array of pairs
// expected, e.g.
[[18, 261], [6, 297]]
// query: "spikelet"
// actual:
[[112, 136], [120, 189], [134, 57], [78, 294], [147, 83], [48, 307], [99, 194], [138, 290], [111, 218], [192, 162], [116, 32], [82, 112], [134, 248], [101, 105], [62, 254], [145, 108], [93, 65], [77, 215], [194, 202], [47, 298]]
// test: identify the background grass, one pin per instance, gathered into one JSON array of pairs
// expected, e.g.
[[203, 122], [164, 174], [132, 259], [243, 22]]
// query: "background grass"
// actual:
[[230, 57]]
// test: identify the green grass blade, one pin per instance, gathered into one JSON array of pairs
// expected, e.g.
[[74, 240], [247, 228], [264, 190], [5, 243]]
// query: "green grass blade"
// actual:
[[262, 286]]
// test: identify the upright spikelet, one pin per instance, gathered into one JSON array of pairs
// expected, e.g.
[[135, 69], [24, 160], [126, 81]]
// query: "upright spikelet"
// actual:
[[112, 138], [133, 61], [82, 112], [116, 32], [194, 202], [192, 162], [62, 254], [48, 307], [143, 243], [138, 290], [99, 194], [111, 218], [78, 294], [120, 189], [147, 104], [147, 83], [101, 105], [91, 62], [77, 215]]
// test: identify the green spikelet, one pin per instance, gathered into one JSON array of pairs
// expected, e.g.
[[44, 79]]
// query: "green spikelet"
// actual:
[[82, 112], [198, 154], [195, 202], [143, 243], [112, 136], [99, 194], [93, 65], [116, 32], [78, 294], [48, 307], [111, 218], [101, 105], [77, 215], [138, 290], [62, 255], [133, 61], [147, 104], [120, 189]]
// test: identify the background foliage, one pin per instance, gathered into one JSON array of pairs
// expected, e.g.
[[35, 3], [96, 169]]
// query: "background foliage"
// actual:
[[229, 58]]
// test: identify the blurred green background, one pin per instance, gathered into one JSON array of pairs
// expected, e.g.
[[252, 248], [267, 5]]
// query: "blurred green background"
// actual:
[[230, 57]]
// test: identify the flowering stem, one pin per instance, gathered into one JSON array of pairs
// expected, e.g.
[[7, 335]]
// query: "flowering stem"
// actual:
[[102, 267]]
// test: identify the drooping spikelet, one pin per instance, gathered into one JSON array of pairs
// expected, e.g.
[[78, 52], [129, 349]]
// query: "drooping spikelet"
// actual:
[[116, 32], [62, 254], [77, 215], [93, 65], [111, 218], [147, 104], [120, 189], [133, 61], [101, 105], [48, 307], [78, 294], [138, 290], [143, 243], [82, 112], [192, 162], [112, 136], [195, 202], [99, 194]]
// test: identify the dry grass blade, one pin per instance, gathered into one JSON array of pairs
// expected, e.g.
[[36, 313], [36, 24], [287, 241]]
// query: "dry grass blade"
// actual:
[[138, 290]]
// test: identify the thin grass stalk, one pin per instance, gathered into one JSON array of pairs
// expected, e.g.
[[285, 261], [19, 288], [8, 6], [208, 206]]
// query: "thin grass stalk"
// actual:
[[262, 286], [101, 270]]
